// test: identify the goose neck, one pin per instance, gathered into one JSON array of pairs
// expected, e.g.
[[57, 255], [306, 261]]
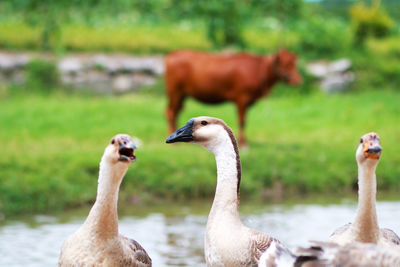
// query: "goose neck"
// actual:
[[103, 217], [366, 221], [228, 178]]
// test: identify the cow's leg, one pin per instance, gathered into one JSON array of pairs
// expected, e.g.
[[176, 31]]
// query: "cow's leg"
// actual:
[[174, 106], [242, 120]]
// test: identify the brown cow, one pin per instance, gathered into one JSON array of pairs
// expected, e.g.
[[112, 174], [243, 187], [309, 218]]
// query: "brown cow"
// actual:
[[211, 78]]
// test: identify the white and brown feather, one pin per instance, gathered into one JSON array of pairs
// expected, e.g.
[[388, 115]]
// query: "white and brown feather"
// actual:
[[139, 256], [365, 227], [228, 242], [350, 255], [97, 242], [260, 242]]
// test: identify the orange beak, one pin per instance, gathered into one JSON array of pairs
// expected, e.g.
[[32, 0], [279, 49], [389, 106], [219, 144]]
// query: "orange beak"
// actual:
[[372, 149]]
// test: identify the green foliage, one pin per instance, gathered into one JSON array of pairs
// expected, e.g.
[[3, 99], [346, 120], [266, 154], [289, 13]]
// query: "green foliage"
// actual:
[[41, 76], [45, 15], [387, 47], [160, 26], [377, 66], [370, 21], [223, 19], [283, 9], [305, 143], [321, 36], [164, 38]]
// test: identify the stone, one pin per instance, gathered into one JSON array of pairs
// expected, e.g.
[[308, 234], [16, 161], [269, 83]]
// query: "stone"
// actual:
[[337, 82], [318, 69], [340, 65], [122, 83], [99, 73], [70, 65], [334, 76]]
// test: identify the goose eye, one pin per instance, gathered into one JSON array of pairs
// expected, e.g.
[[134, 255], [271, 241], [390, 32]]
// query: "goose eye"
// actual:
[[112, 141], [361, 141], [204, 122]]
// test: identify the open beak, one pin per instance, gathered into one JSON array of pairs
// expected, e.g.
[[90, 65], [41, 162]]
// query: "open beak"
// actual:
[[183, 134], [372, 149], [127, 151]]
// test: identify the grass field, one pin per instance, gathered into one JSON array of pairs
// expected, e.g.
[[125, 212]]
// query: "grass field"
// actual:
[[143, 39], [52, 146]]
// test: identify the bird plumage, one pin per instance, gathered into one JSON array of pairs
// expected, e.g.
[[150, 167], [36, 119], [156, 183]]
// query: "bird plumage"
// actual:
[[97, 242]]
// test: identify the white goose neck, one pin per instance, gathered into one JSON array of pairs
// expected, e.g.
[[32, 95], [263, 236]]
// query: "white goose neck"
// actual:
[[366, 222], [228, 175], [103, 217]]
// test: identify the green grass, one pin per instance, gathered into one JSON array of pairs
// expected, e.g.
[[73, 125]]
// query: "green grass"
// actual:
[[141, 38], [52, 145], [145, 38]]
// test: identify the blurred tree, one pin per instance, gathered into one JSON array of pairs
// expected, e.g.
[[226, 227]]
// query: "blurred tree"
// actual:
[[45, 14], [49, 15], [42, 76], [224, 19], [282, 9], [369, 21]]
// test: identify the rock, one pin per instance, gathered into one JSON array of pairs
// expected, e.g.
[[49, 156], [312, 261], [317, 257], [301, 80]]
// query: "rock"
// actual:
[[337, 82], [10, 62], [152, 65], [144, 79], [334, 76], [98, 81], [75, 79], [70, 65], [340, 65], [318, 69], [122, 83], [100, 73], [107, 63], [130, 65]]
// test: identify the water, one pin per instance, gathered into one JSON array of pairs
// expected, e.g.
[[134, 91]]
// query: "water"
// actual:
[[173, 234]]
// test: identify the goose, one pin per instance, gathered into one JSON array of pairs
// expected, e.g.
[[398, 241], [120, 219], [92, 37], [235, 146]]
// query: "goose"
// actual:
[[365, 226], [97, 242], [348, 255], [228, 242]]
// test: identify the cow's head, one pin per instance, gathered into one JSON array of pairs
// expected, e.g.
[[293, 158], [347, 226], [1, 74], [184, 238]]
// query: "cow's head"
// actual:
[[285, 67]]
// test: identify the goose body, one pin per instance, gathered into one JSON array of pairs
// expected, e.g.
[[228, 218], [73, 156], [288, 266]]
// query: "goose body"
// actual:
[[349, 255], [227, 241], [365, 227], [97, 242]]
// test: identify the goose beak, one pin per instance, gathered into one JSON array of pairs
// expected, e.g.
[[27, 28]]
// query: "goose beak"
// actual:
[[372, 150], [127, 151], [183, 134]]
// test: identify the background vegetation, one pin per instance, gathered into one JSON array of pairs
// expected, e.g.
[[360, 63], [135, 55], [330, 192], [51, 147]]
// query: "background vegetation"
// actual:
[[53, 139], [298, 144]]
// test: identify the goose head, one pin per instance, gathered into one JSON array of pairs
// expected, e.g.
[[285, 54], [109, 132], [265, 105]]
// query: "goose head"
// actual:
[[120, 150], [208, 132], [369, 150]]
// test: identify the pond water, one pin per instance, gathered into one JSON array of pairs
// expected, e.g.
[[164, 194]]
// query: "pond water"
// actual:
[[173, 234]]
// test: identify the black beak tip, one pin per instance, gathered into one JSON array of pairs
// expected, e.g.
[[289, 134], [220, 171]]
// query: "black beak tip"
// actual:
[[175, 137], [183, 134], [375, 149], [169, 140]]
